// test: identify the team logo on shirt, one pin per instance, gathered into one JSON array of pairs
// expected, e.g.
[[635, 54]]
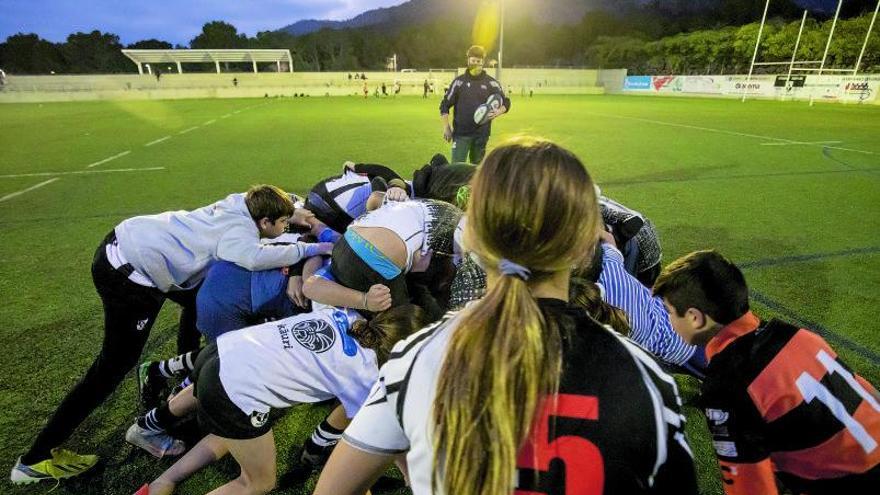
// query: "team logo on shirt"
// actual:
[[259, 419], [315, 335]]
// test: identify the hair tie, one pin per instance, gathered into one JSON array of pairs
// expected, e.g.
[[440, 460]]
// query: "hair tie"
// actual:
[[509, 268]]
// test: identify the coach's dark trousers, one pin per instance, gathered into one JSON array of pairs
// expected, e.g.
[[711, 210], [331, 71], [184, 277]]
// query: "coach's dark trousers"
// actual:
[[130, 310]]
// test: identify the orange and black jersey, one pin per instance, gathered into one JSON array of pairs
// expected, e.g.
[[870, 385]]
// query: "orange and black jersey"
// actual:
[[778, 399]]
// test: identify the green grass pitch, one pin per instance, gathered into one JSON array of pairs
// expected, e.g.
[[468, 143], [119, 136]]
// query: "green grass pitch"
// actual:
[[790, 192]]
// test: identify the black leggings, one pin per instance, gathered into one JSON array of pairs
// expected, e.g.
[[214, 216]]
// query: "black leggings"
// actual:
[[130, 310], [351, 271]]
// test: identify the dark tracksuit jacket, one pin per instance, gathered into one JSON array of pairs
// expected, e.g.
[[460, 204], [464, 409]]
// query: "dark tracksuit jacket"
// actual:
[[466, 93]]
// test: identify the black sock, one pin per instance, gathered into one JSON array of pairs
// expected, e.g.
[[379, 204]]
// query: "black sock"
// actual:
[[323, 437], [32, 457], [177, 364], [158, 420]]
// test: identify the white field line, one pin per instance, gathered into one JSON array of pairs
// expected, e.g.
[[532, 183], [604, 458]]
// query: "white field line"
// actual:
[[236, 112], [81, 172], [19, 193], [188, 130], [723, 131], [151, 143], [226, 116], [210, 122], [808, 143], [105, 160]]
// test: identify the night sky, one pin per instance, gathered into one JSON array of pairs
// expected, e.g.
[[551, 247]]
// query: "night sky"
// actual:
[[175, 21], [178, 21]]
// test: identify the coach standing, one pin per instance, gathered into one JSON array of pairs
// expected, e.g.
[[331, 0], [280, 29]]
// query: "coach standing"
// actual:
[[467, 92]]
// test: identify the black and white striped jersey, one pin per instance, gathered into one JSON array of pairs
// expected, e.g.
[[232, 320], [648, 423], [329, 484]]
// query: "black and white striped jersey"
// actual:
[[614, 427]]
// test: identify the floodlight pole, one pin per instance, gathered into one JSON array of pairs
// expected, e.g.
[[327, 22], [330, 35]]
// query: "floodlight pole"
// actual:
[[500, 41], [797, 44], [865, 44], [755, 54], [828, 44]]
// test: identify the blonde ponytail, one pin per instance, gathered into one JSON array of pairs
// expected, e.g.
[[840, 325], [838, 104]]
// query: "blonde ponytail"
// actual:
[[532, 214]]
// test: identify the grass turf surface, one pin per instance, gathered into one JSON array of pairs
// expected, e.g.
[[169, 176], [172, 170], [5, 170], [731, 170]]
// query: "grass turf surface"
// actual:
[[752, 180]]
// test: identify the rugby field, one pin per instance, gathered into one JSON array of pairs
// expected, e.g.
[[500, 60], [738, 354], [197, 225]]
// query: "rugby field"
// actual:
[[791, 193]]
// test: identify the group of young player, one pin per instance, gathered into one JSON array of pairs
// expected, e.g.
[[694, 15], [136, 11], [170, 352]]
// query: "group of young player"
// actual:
[[491, 329]]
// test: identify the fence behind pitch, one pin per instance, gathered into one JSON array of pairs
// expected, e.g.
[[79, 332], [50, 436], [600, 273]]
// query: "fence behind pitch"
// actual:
[[240, 85]]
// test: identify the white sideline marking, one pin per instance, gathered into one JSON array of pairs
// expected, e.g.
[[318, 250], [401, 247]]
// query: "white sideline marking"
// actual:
[[189, 130], [105, 160], [151, 143], [19, 193], [808, 143], [237, 112], [210, 122], [723, 131], [226, 116], [81, 172]]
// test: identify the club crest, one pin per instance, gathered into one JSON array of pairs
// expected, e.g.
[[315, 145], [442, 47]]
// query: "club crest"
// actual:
[[259, 419], [315, 335]]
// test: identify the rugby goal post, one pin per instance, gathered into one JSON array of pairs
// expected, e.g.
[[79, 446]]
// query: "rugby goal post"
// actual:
[[804, 65]]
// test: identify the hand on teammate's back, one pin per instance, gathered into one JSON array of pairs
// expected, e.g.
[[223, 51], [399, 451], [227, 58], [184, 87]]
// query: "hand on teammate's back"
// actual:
[[295, 292], [396, 194], [607, 237], [378, 298]]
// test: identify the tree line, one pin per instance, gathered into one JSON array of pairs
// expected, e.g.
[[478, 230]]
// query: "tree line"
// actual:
[[600, 39], [729, 50]]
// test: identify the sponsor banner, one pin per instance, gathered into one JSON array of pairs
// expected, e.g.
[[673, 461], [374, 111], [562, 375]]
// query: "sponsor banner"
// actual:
[[637, 83], [754, 86], [857, 89]]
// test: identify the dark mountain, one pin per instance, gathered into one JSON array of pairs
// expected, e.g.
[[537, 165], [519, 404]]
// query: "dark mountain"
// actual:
[[683, 14]]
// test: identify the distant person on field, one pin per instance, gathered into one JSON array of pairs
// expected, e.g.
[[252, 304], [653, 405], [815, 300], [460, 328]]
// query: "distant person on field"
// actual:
[[427, 88], [384, 90], [467, 92], [142, 262], [780, 403], [235, 82], [363, 76], [3, 78]]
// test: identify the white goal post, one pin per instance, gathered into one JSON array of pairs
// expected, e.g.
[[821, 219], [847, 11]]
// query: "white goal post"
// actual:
[[807, 65]]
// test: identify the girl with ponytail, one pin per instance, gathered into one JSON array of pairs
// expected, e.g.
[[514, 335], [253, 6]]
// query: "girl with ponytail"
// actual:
[[521, 391]]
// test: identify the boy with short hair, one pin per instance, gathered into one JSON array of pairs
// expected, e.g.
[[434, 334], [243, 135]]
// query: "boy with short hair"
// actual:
[[777, 398], [140, 263]]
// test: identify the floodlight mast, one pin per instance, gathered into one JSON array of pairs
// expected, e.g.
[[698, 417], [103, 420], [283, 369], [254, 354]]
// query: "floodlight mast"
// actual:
[[500, 41]]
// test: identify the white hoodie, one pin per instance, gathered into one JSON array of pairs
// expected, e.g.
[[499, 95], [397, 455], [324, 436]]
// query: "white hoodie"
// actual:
[[174, 248]]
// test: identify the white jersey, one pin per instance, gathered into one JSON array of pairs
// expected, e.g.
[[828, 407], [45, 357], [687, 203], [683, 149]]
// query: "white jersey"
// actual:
[[302, 359], [408, 219], [390, 424]]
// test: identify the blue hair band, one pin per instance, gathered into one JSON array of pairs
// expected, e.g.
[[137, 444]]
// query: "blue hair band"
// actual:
[[511, 269]]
